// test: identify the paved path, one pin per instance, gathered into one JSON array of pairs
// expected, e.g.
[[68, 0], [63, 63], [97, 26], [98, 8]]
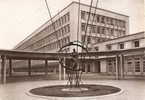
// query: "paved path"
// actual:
[[132, 90]]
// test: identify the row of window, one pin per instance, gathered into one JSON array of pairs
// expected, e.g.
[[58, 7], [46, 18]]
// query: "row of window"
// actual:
[[135, 43], [102, 30], [59, 22], [55, 35], [56, 45], [93, 40], [103, 19], [132, 65], [59, 33]]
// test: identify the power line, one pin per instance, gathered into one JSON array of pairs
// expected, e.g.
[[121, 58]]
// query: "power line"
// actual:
[[53, 25], [87, 21], [78, 23], [93, 17]]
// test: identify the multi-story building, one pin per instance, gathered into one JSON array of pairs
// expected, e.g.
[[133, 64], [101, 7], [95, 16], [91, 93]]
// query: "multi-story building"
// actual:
[[51, 36], [134, 64], [103, 25]]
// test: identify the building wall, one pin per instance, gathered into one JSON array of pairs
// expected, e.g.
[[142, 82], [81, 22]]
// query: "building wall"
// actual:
[[127, 40], [133, 64], [45, 40], [106, 25]]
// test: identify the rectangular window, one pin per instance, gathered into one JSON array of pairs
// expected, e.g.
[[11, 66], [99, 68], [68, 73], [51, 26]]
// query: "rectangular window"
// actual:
[[102, 19], [98, 18], [109, 47], [83, 15], [67, 16], [83, 26], [111, 64], [103, 30], [98, 29], [97, 48], [129, 65], [136, 43], [89, 39], [112, 31], [89, 28], [93, 28], [137, 66], [108, 20], [121, 46], [89, 68]]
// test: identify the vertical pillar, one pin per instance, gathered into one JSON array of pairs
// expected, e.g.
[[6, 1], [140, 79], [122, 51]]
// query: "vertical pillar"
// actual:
[[3, 69], [117, 67], [59, 71], [86, 67], [10, 67], [64, 73], [46, 67], [64, 70], [121, 66], [29, 67]]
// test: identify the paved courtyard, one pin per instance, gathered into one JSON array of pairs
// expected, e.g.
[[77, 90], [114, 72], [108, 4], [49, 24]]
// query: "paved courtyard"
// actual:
[[132, 90]]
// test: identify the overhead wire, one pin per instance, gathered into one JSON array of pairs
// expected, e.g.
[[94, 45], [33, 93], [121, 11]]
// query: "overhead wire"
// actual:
[[94, 13], [78, 24], [86, 26], [53, 25]]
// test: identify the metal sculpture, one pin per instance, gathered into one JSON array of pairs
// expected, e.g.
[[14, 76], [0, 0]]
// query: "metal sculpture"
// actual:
[[73, 65]]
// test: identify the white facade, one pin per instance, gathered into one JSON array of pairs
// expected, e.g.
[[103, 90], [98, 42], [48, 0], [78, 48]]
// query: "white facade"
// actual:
[[105, 26], [49, 38], [133, 64]]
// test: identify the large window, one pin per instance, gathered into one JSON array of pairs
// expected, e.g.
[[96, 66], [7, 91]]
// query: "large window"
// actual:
[[137, 66], [111, 66], [130, 67]]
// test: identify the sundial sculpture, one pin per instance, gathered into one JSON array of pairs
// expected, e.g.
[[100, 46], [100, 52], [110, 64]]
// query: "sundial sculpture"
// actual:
[[74, 66]]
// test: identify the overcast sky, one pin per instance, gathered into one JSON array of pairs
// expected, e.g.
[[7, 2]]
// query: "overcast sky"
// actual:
[[19, 18]]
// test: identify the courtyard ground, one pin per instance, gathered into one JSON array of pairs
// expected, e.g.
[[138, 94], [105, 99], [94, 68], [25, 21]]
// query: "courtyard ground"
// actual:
[[132, 89]]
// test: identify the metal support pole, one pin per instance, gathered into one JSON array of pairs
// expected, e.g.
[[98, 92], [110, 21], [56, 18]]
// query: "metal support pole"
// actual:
[[10, 67], [64, 70], [122, 66], [117, 67], [46, 67], [29, 67], [64, 73], [3, 69], [59, 71]]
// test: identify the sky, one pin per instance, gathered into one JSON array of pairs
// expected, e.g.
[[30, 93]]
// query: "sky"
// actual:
[[19, 18]]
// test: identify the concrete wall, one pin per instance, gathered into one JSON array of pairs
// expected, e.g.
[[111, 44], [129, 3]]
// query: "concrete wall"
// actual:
[[127, 40]]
